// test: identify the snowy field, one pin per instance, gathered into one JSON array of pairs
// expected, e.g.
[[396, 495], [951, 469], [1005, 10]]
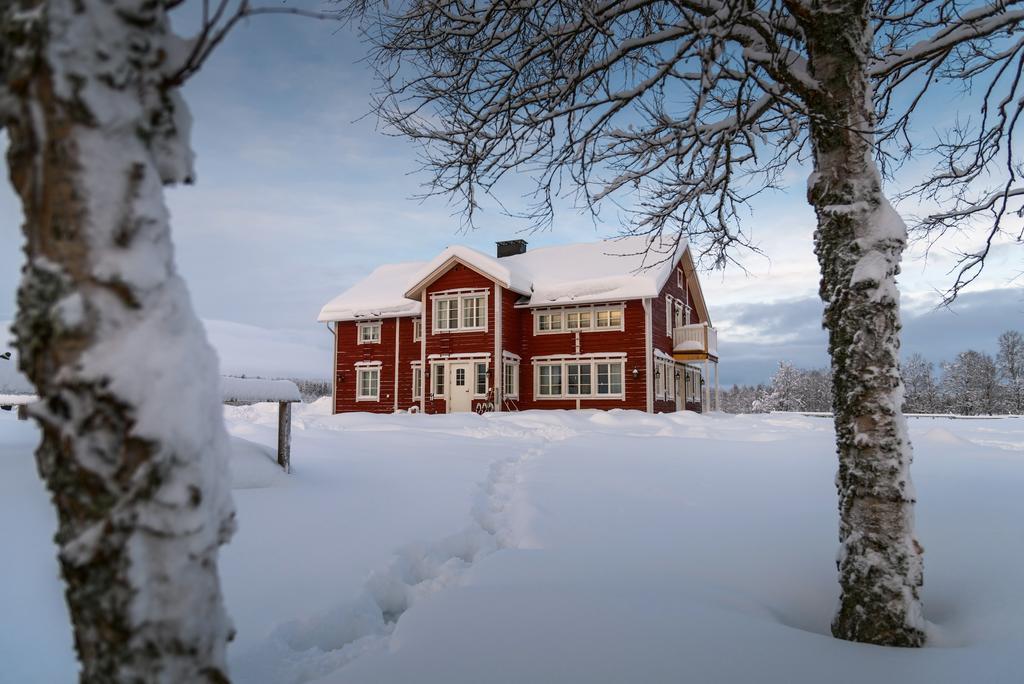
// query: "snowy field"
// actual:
[[561, 547]]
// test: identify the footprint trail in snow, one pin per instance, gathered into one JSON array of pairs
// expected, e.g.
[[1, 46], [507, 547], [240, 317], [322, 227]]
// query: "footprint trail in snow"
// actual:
[[304, 650]]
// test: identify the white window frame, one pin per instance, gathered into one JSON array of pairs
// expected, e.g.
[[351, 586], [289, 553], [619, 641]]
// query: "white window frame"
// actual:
[[621, 394], [562, 315], [563, 375], [560, 375], [668, 314], [438, 371], [476, 379], [360, 371], [679, 278], [362, 327], [417, 380], [510, 386], [417, 329], [460, 299]]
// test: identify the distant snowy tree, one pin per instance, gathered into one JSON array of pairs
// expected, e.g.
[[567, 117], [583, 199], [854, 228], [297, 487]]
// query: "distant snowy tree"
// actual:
[[795, 389], [1011, 369], [782, 392], [697, 106], [970, 384], [921, 391], [134, 449], [741, 398]]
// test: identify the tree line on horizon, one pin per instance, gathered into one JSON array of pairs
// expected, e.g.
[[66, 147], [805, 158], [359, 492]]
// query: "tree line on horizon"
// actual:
[[973, 383]]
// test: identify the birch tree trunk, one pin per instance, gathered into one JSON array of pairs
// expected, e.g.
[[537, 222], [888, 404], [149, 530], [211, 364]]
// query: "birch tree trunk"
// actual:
[[133, 444], [859, 242]]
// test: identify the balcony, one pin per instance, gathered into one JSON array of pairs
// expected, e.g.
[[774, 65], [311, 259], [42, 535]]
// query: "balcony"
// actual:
[[697, 341]]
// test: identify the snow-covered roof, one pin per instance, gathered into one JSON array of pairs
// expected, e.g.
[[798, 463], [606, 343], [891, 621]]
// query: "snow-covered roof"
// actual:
[[603, 271], [608, 270], [380, 294]]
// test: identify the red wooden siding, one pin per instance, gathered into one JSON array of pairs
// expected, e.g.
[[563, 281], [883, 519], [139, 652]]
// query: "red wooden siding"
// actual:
[[348, 351], [458, 277]]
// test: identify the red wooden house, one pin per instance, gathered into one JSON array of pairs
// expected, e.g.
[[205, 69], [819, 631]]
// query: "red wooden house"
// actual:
[[602, 325]]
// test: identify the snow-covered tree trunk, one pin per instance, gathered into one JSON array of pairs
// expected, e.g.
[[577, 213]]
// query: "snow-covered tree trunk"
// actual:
[[133, 444], [859, 242]]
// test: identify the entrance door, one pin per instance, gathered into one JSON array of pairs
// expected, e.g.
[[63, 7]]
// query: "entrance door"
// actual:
[[460, 388]]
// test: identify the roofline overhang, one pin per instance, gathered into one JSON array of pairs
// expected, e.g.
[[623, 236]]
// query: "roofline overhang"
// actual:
[[425, 282]]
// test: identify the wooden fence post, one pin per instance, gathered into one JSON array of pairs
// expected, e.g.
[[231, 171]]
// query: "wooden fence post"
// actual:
[[284, 436]]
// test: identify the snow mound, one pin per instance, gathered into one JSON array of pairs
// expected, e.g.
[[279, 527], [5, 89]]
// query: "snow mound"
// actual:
[[254, 466]]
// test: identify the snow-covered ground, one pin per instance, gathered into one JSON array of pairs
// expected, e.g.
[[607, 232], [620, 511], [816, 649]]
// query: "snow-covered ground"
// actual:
[[561, 547]]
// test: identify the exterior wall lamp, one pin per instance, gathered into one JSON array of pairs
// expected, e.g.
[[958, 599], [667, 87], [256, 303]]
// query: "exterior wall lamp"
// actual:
[[636, 373]]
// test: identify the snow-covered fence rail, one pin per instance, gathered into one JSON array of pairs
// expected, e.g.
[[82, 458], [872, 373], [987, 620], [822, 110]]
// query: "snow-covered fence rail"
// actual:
[[21, 401], [233, 391], [257, 390]]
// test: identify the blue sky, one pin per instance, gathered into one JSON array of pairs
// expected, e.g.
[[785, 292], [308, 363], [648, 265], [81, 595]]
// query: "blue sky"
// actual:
[[299, 195]]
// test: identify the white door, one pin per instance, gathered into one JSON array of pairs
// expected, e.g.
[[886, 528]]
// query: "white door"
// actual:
[[460, 388]]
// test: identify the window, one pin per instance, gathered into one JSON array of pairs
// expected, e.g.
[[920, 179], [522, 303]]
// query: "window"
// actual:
[[417, 329], [437, 371], [609, 318], [369, 333], [549, 322], [550, 381], [417, 382], [511, 381], [609, 378], [577, 320], [481, 379], [460, 312], [460, 377], [599, 317], [473, 312], [679, 278], [446, 314], [668, 315], [367, 384], [580, 379]]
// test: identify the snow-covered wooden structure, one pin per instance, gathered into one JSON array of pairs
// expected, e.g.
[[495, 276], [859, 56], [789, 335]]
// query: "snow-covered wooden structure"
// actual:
[[609, 324], [257, 390], [233, 391]]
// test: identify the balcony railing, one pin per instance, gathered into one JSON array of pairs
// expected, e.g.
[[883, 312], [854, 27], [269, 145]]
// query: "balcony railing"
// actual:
[[699, 337]]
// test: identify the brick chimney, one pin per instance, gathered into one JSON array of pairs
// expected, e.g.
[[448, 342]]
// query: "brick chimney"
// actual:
[[510, 247]]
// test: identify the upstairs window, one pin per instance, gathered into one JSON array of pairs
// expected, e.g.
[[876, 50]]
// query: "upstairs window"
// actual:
[[446, 314], [579, 319], [417, 329], [608, 318], [460, 312], [369, 333], [549, 322]]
